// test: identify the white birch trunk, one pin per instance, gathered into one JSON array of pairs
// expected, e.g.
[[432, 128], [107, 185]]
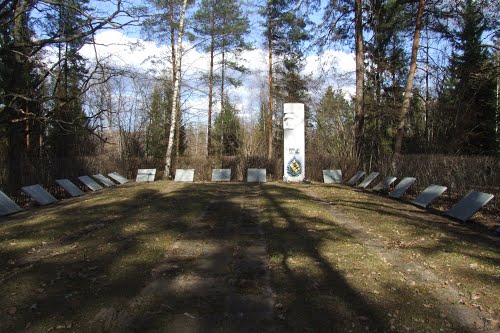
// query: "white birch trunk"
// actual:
[[176, 69]]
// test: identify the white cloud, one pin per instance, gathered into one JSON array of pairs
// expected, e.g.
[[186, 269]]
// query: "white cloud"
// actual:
[[332, 67], [330, 61], [121, 50]]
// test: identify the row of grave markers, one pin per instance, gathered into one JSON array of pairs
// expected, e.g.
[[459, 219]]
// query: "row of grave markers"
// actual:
[[43, 197], [218, 175], [462, 210]]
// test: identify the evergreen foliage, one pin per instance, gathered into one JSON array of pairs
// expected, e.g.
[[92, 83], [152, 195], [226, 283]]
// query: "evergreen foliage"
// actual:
[[227, 132], [467, 104]]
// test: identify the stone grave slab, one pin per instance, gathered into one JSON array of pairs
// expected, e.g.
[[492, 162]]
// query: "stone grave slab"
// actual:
[[384, 184], [7, 205], [469, 205], [368, 179], [69, 187], [184, 175], [430, 194], [117, 177], [145, 175], [332, 176], [39, 194], [90, 183], [402, 187], [221, 175], [104, 180], [256, 175], [354, 179]]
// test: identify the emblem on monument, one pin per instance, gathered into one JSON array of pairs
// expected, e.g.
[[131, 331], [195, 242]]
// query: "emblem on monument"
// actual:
[[294, 168]]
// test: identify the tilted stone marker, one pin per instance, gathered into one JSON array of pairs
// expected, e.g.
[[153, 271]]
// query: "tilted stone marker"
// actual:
[[430, 194], [368, 179], [354, 179], [469, 205], [145, 175], [221, 175], [106, 181], [402, 187], [332, 176], [385, 184], [7, 205], [256, 176], [184, 175], [294, 160], [39, 194], [69, 187], [90, 183], [119, 178]]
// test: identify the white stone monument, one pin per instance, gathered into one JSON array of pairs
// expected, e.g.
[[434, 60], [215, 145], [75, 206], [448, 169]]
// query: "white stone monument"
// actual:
[[294, 142]]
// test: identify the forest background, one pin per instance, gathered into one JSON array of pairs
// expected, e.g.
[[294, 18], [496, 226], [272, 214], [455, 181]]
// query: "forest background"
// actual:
[[404, 87]]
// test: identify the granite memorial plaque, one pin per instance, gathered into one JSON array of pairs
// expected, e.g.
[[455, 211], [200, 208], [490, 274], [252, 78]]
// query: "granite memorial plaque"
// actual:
[[117, 177], [332, 176], [384, 184], [90, 183], [39, 194], [368, 179], [469, 205], [402, 187], [69, 187], [221, 175], [145, 175], [184, 175], [104, 180], [7, 205], [356, 178], [430, 194], [256, 175]]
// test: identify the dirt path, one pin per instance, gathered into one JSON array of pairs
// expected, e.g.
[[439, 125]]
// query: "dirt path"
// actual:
[[213, 278]]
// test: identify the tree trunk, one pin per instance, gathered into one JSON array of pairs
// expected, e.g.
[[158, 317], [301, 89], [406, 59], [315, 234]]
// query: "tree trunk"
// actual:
[[178, 122], [223, 74], [405, 106], [359, 118], [175, 70], [211, 80], [270, 119]]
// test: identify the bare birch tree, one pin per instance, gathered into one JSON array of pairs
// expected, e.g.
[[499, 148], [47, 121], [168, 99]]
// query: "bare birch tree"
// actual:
[[176, 68]]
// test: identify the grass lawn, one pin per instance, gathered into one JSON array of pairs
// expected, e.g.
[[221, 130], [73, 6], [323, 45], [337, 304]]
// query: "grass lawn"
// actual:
[[338, 259]]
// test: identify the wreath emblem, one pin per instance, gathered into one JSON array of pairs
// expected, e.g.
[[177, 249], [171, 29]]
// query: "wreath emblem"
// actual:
[[294, 168]]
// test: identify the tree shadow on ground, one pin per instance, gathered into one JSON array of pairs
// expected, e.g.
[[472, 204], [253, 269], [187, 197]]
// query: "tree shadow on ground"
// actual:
[[64, 264], [192, 258], [423, 222], [320, 297]]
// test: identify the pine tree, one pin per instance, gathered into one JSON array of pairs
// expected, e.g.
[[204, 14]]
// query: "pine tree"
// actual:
[[224, 25], [467, 105], [333, 123], [227, 132], [285, 34], [338, 19], [69, 133]]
